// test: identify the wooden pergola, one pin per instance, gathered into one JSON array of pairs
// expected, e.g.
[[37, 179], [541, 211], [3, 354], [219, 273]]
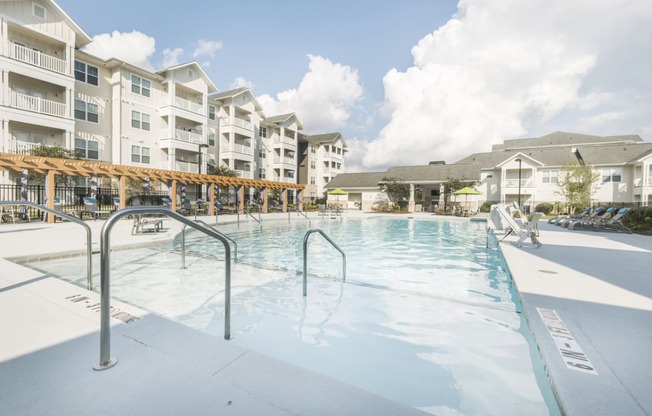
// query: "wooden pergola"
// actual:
[[50, 167]]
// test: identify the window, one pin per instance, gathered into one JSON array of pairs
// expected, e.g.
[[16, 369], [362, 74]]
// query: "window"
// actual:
[[261, 173], [39, 11], [312, 164], [339, 151], [550, 176], [140, 120], [339, 166], [191, 74], [211, 112], [140, 154], [86, 73], [312, 180], [312, 149], [141, 86], [289, 174], [87, 149], [86, 111], [262, 154], [611, 174], [262, 131], [211, 139]]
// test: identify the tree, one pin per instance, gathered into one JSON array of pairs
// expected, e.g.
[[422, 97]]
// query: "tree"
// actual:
[[452, 185], [221, 170], [575, 184], [57, 152], [396, 189]]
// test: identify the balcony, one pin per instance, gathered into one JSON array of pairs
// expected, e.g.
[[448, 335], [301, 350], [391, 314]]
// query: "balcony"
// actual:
[[237, 122], [513, 183], [285, 139], [189, 105], [284, 160], [37, 105], [185, 136], [189, 167], [22, 148], [245, 149], [37, 58]]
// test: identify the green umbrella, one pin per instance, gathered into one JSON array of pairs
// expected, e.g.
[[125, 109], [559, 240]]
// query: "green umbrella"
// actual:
[[337, 192], [466, 191]]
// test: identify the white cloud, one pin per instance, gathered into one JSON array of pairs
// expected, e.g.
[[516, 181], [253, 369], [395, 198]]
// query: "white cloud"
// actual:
[[501, 69], [207, 48], [325, 98], [240, 82], [171, 57], [134, 47]]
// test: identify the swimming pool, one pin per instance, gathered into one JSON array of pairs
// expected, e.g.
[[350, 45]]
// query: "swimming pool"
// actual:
[[427, 316]]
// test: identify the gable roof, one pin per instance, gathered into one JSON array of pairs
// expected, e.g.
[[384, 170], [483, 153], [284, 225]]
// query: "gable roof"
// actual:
[[195, 65], [325, 138], [356, 180], [435, 173], [282, 118], [81, 37], [608, 154], [234, 93], [560, 138]]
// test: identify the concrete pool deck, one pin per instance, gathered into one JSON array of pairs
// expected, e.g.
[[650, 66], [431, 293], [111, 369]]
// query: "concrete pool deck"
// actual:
[[594, 291]]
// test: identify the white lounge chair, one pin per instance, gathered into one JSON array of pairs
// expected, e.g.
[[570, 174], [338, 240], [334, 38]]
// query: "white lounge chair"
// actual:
[[523, 232]]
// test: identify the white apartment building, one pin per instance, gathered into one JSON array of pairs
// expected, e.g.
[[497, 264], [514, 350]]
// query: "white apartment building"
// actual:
[[321, 159], [623, 163], [52, 93]]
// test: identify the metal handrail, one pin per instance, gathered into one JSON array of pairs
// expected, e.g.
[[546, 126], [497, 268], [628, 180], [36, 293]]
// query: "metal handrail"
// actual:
[[105, 274], [305, 257], [89, 248], [183, 242], [251, 215]]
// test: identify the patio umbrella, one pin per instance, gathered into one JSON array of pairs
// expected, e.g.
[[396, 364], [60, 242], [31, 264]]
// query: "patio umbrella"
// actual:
[[337, 192], [466, 191]]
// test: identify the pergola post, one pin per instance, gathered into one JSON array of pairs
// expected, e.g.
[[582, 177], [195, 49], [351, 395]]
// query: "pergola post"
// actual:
[[211, 199], [284, 197], [122, 191], [265, 199], [241, 203], [299, 199], [49, 190], [172, 191]]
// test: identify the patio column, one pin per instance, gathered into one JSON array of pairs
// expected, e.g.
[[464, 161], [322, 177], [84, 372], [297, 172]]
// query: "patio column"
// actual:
[[300, 199], [263, 190], [122, 191], [211, 199], [241, 203], [411, 203], [172, 193], [49, 192]]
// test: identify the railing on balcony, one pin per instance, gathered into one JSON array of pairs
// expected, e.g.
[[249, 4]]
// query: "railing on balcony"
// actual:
[[22, 148], [238, 122], [185, 136], [37, 104], [189, 167], [285, 139], [284, 160], [513, 183], [188, 105], [37, 58]]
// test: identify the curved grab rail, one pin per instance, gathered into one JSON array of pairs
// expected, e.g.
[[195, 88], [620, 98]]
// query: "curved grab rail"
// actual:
[[183, 242], [251, 215], [305, 256], [89, 249], [105, 273]]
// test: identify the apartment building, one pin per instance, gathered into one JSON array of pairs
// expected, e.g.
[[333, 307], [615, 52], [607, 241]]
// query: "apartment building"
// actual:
[[321, 159], [526, 170], [53, 93]]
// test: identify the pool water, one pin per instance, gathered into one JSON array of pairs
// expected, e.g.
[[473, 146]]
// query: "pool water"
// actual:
[[427, 315]]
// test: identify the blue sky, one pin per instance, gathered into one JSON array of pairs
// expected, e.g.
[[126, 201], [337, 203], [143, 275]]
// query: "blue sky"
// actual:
[[405, 82]]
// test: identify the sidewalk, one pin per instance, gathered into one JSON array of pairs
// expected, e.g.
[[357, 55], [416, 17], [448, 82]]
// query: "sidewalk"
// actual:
[[588, 299]]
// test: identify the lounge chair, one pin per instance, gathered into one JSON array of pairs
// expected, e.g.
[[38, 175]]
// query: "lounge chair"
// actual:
[[590, 217], [557, 219], [592, 220], [523, 232], [612, 224], [91, 208], [145, 224]]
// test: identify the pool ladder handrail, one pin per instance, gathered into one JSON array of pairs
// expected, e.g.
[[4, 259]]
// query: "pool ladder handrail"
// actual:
[[89, 248], [246, 211], [183, 242], [106, 361], [305, 256]]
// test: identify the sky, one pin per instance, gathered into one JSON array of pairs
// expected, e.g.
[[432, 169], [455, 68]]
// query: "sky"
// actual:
[[404, 82]]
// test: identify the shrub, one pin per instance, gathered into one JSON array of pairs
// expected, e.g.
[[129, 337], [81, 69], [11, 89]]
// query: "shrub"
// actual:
[[486, 206], [639, 220], [544, 207]]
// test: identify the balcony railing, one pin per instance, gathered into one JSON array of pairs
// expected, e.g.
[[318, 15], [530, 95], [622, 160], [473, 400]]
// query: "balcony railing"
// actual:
[[22, 148], [513, 183], [188, 105], [37, 58], [185, 136], [189, 167], [284, 160], [238, 122], [37, 104], [285, 140]]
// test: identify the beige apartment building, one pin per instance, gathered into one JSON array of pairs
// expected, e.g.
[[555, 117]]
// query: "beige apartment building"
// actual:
[[53, 93]]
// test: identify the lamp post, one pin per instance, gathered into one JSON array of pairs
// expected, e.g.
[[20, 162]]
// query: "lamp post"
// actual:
[[200, 146], [519, 181]]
